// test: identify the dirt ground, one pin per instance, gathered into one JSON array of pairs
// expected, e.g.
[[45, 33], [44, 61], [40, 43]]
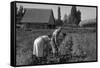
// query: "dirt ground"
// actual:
[[81, 42]]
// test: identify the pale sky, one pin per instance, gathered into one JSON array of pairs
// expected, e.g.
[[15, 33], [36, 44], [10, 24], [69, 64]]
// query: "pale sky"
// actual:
[[86, 12]]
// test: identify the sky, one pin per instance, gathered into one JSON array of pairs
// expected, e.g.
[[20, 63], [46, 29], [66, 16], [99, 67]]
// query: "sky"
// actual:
[[86, 12]]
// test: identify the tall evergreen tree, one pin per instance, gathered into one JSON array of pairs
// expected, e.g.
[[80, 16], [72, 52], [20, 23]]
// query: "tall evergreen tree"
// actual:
[[65, 18], [73, 11], [59, 21], [59, 14], [78, 17], [75, 16]]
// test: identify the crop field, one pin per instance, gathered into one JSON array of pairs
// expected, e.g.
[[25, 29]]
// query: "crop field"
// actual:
[[83, 44]]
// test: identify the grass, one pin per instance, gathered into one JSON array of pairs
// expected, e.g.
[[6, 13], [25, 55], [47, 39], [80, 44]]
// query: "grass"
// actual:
[[84, 39]]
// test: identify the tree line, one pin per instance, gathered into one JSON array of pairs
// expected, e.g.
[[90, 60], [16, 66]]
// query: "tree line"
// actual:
[[73, 18]]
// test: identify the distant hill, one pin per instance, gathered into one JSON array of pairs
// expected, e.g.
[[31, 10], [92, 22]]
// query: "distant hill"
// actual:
[[88, 23]]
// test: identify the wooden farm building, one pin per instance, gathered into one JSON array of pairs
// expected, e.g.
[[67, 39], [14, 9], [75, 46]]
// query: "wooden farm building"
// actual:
[[38, 18]]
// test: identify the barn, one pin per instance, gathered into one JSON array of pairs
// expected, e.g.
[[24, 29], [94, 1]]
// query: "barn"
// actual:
[[38, 18]]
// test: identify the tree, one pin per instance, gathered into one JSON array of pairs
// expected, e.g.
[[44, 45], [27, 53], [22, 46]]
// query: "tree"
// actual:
[[21, 11], [59, 14], [75, 16], [59, 22], [65, 18], [73, 11], [78, 17]]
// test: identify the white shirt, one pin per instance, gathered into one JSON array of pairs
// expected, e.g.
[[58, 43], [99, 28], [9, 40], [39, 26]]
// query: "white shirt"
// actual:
[[39, 45]]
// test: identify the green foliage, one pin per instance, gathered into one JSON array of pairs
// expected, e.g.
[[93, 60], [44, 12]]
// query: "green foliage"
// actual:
[[75, 16], [59, 14], [78, 16], [65, 18], [59, 22], [20, 13]]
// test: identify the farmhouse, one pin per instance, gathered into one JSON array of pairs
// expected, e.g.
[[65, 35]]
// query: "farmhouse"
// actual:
[[38, 18]]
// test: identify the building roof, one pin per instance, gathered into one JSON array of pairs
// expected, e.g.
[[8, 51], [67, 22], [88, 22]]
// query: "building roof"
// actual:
[[37, 15]]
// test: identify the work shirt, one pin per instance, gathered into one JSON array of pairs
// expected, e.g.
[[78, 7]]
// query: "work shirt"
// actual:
[[54, 38], [40, 44]]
